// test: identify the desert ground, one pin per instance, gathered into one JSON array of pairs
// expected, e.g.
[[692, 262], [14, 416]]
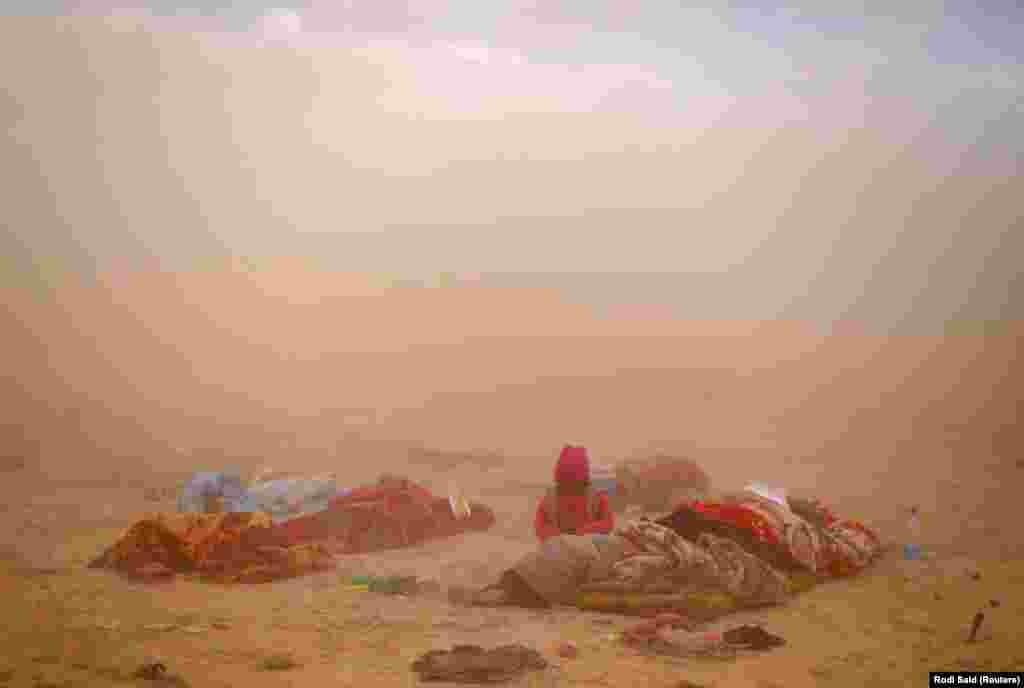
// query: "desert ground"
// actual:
[[116, 389]]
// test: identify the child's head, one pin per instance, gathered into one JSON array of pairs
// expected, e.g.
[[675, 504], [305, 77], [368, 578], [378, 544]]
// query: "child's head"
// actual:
[[913, 511], [573, 465]]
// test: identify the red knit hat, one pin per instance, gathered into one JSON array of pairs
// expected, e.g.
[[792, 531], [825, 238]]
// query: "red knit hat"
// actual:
[[573, 464]]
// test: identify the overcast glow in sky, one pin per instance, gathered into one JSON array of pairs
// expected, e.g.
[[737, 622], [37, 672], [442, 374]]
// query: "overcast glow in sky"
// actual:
[[810, 161]]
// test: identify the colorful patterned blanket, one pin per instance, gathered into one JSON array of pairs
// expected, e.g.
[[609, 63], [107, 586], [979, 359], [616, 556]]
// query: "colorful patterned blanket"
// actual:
[[706, 559], [807, 531], [226, 548], [243, 546]]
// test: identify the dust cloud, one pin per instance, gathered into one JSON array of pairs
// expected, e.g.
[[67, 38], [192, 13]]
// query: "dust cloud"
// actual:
[[196, 227]]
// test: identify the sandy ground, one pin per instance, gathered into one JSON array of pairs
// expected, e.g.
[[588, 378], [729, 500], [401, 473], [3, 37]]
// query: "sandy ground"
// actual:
[[871, 424], [76, 627]]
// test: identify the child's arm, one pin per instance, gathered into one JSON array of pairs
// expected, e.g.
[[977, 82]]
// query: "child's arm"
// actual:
[[604, 519], [542, 526]]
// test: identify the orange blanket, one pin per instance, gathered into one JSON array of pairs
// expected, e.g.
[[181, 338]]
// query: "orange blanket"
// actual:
[[223, 548], [249, 548]]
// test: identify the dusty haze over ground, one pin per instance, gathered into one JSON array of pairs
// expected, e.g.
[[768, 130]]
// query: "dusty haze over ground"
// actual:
[[814, 282], [233, 377]]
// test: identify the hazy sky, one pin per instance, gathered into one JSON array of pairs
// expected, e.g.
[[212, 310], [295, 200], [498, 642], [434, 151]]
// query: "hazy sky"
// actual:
[[761, 162]]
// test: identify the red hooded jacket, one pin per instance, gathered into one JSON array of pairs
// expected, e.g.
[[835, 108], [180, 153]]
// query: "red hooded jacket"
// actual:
[[588, 519], [585, 514]]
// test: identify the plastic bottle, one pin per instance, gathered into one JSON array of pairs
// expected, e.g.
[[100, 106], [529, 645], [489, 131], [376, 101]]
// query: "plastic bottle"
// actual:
[[458, 502], [912, 548], [387, 585], [359, 584]]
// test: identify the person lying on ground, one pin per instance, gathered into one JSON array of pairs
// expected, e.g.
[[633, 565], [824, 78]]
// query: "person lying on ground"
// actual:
[[630, 560], [551, 574], [685, 552], [573, 506]]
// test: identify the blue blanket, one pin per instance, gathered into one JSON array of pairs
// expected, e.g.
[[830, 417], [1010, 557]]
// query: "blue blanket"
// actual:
[[282, 499]]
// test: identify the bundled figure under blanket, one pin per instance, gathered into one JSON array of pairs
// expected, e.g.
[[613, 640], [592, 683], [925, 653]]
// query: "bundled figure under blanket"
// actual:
[[718, 556]]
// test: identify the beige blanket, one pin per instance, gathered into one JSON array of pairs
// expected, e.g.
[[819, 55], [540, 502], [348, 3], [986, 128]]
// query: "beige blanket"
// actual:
[[712, 562], [563, 563], [642, 552]]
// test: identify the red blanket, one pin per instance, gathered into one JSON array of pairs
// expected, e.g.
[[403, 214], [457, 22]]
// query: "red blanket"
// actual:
[[741, 516], [829, 547], [379, 517]]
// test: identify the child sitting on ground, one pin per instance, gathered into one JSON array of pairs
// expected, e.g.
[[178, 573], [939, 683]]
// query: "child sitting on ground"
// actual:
[[573, 506]]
